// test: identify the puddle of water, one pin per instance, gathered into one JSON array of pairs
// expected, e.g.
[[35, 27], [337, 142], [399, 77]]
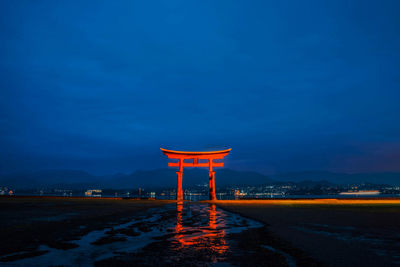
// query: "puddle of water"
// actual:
[[188, 226], [209, 229]]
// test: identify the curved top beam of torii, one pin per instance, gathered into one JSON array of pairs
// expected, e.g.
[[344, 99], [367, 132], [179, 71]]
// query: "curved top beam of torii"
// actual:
[[173, 154]]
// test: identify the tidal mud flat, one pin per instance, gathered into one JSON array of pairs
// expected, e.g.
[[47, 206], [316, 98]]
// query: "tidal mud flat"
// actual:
[[157, 234], [29, 224], [201, 234], [116, 232], [333, 232]]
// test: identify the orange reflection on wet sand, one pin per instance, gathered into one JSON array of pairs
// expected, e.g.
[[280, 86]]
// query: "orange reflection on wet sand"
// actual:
[[211, 236]]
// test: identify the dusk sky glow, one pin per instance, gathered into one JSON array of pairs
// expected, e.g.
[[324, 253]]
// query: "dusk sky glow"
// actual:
[[288, 85]]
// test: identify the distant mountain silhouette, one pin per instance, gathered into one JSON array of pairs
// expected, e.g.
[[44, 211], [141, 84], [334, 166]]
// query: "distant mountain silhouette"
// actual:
[[67, 179], [76, 179], [191, 177]]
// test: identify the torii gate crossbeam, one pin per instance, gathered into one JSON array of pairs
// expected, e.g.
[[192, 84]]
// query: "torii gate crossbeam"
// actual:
[[210, 156]]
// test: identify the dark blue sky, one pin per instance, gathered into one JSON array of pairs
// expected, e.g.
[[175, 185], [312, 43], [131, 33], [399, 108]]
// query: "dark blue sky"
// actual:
[[289, 85]]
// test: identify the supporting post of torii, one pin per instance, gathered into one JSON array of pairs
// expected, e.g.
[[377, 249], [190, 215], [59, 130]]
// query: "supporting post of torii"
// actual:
[[211, 180], [179, 191]]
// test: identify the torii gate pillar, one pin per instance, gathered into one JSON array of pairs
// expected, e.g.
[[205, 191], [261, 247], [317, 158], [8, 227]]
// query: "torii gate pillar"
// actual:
[[211, 185], [196, 156], [211, 181], [179, 191]]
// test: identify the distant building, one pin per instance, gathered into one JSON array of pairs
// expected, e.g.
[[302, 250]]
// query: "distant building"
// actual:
[[239, 194], [93, 193], [361, 192], [3, 191]]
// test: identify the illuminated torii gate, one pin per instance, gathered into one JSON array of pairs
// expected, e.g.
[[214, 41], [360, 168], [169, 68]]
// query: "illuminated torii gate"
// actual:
[[195, 157]]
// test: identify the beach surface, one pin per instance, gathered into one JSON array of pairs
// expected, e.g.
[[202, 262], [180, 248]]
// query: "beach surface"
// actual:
[[63, 231], [48, 231], [364, 232], [29, 222]]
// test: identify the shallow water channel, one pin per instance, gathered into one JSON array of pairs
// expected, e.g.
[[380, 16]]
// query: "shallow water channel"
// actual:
[[197, 228]]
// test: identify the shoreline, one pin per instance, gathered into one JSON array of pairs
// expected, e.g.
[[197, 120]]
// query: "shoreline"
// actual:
[[352, 200]]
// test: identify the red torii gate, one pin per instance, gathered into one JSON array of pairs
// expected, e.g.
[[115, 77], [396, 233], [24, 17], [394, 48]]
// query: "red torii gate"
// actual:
[[195, 157]]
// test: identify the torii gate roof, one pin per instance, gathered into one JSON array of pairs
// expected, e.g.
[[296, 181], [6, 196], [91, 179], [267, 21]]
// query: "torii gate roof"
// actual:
[[173, 154]]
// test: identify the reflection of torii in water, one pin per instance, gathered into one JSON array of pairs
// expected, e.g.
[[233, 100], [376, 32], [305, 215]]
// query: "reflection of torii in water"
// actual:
[[209, 237], [183, 156]]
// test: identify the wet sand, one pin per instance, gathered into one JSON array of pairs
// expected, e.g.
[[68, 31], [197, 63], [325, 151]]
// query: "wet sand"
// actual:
[[118, 232], [112, 232], [201, 234], [334, 232], [28, 222]]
